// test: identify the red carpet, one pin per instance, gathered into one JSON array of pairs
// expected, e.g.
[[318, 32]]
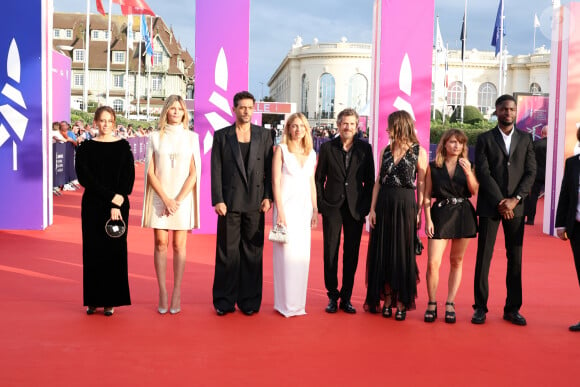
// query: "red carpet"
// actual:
[[48, 340]]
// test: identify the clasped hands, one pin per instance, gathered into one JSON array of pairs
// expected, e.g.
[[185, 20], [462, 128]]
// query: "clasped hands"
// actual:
[[171, 207], [506, 207]]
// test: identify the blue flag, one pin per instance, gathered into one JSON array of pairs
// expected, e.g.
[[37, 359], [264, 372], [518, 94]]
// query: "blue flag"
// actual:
[[145, 36], [498, 29]]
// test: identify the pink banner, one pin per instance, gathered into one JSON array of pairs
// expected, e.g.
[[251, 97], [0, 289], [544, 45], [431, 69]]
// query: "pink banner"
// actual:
[[403, 44], [61, 81], [222, 41], [532, 113]]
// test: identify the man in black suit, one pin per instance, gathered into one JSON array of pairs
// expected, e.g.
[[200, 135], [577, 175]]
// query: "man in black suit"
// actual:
[[532, 200], [568, 213], [505, 166], [241, 193], [344, 185]]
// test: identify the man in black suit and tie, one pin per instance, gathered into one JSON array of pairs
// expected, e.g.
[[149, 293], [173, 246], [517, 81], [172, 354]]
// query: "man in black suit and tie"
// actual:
[[241, 193], [568, 212], [505, 166], [344, 185]]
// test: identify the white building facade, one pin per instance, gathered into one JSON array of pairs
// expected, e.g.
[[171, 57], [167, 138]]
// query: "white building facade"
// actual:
[[324, 78]]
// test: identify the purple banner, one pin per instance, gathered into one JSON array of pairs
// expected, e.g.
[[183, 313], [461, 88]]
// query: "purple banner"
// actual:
[[221, 70], [24, 69], [402, 67], [532, 113]]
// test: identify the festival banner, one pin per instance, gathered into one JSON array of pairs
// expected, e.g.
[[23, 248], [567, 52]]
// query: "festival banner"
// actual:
[[564, 105], [532, 113], [221, 70], [25, 64], [402, 62]]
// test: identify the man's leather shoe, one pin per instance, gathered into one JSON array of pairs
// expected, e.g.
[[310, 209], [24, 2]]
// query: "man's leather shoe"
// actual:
[[248, 312], [575, 328], [332, 306], [347, 307], [478, 316], [515, 318], [223, 312]]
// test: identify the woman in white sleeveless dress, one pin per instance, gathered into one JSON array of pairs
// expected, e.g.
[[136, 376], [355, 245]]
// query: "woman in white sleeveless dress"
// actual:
[[172, 172], [294, 208]]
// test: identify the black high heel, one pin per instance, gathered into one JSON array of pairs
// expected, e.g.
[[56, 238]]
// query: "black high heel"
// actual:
[[387, 311], [401, 314], [450, 317], [431, 315]]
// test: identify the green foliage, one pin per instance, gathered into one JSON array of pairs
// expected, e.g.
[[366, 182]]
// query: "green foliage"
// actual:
[[471, 130], [471, 115], [438, 116], [88, 118]]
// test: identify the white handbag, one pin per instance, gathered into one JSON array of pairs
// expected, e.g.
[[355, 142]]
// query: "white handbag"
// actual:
[[278, 234]]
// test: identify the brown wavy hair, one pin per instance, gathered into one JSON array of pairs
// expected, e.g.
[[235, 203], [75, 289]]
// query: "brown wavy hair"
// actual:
[[401, 128], [441, 153]]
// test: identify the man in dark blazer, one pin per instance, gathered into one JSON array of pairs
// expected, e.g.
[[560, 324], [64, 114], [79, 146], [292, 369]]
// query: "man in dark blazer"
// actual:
[[344, 185], [531, 201], [568, 213], [241, 193], [505, 166]]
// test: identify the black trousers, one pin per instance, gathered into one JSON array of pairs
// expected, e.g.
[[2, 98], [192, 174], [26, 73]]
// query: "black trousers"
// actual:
[[513, 230], [333, 222], [238, 263], [575, 244], [531, 201]]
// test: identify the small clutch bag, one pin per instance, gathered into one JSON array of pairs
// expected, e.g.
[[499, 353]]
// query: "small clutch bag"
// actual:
[[418, 245], [115, 228], [278, 234]]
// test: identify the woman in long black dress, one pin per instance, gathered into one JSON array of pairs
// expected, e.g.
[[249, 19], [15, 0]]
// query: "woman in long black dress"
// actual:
[[106, 169], [451, 181], [392, 273]]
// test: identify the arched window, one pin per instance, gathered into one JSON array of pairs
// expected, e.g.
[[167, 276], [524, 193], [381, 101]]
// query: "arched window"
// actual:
[[304, 99], [486, 96], [456, 94], [118, 105], [535, 88], [357, 92], [326, 96]]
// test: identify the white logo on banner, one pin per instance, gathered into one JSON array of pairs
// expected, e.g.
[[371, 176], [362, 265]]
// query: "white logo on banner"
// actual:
[[217, 121], [16, 120], [405, 85]]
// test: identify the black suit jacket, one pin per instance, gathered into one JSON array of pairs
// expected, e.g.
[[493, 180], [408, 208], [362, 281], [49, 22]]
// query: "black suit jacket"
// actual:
[[568, 202], [230, 184], [502, 175], [540, 147], [334, 184]]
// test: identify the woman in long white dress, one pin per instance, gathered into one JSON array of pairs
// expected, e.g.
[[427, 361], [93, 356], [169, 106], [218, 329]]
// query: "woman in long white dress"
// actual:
[[172, 172], [295, 209]]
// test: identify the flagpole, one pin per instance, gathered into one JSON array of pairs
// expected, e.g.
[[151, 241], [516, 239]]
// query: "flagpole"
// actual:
[[535, 28], [126, 80], [86, 67], [463, 61], [500, 91], [139, 79], [108, 82], [445, 75], [149, 72], [436, 69]]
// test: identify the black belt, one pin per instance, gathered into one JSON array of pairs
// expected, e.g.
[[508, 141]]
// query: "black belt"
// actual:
[[445, 202]]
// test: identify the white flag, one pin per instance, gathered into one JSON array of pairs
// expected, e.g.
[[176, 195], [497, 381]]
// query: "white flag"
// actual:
[[536, 21], [130, 31], [439, 46]]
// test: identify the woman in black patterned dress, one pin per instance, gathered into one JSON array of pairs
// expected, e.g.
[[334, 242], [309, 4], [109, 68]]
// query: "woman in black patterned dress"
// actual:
[[451, 181], [392, 273]]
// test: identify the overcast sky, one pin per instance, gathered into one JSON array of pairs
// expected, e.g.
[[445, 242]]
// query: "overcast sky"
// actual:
[[275, 23]]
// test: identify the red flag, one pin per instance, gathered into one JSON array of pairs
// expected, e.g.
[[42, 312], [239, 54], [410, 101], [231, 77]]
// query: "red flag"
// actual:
[[100, 7], [134, 7]]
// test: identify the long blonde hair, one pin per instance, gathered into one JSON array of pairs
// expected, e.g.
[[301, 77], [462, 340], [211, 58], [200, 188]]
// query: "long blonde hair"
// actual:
[[441, 153], [163, 116], [306, 140]]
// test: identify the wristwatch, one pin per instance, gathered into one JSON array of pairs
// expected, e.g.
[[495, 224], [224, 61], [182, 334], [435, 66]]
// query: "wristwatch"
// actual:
[[519, 198]]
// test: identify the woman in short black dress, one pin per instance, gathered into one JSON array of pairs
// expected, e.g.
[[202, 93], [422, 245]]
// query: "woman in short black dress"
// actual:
[[451, 181], [392, 273], [106, 169]]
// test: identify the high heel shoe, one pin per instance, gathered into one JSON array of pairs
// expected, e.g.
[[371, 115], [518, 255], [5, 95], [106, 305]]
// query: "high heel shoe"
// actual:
[[387, 311], [174, 311], [401, 314], [109, 311], [161, 310], [450, 317], [431, 315], [91, 310]]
